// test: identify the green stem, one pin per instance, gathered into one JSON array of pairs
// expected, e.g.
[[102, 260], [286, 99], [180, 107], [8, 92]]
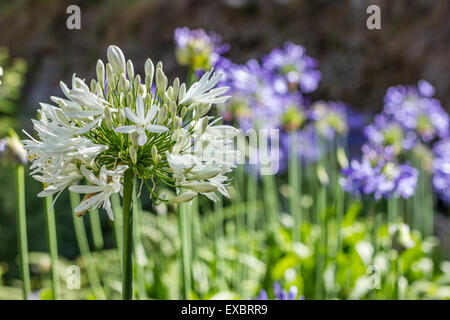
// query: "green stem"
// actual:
[[184, 219], [117, 224], [52, 246], [392, 210], [22, 229], [270, 200], [127, 238], [139, 252], [295, 187], [96, 229], [218, 238], [83, 244]]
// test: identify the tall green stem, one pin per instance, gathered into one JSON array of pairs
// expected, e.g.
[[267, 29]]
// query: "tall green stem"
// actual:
[[52, 246], [139, 252], [270, 200], [96, 229], [83, 244], [295, 187], [184, 220], [22, 229], [127, 246]]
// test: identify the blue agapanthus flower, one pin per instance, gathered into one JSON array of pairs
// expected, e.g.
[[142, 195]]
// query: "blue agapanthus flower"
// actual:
[[379, 174], [255, 104], [198, 49], [386, 133], [292, 69], [330, 118], [415, 109], [441, 169], [281, 294]]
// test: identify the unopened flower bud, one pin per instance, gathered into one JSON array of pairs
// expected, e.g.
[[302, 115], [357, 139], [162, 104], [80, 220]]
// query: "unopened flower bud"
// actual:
[[200, 186], [342, 158], [142, 90], [161, 82], [133, 138], [110, 76], [169, 92], [182, 92], [155, 154], [207, 173], [177, 123], [93, 86], [108, 118], [133, 153], [173, 109], [162, 114], [116, 59], [149, 68], [183, 112], [176, 87], [122, 116], [183, 197], [100, 72], [130, 69], [205, 121], [129, 98], [203, 109], [322, 175], [99, 90], [123, 83]]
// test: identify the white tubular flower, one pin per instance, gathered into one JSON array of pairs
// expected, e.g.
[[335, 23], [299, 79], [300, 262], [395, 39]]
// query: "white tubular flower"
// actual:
[[203, 92], [101, 189], [1, 73], [108, 132], [142, 122]]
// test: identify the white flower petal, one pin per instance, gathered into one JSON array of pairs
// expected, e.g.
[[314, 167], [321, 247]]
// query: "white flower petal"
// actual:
[[156, 128], [131, 116], [126, 129]]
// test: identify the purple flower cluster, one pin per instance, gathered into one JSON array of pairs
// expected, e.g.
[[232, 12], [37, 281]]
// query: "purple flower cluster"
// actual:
[[441, 169], [273, 95], [379, 174], [198, 49], [281, 294], [411, 118], [416, 111], [292, 69]]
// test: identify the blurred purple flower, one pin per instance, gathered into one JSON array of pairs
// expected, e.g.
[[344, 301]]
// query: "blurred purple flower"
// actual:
[[415, 110], [383, 132], [378, 174], [330, 118], [292, 69], [281, 294], [441, 170], [198, 49]]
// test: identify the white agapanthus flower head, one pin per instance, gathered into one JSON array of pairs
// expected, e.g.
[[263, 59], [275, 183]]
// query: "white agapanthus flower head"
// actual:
[[118, 123]]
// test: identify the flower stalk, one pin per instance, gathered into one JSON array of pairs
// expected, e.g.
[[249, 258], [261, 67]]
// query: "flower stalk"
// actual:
[[52, 246], [22, 229], [127, 238]]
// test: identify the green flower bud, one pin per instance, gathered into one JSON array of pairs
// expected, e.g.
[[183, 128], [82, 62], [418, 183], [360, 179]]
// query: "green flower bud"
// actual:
[[100, 72], [130, 69]]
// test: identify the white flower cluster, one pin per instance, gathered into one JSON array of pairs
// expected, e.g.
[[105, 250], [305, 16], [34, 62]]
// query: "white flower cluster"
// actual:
[[120, 123]]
